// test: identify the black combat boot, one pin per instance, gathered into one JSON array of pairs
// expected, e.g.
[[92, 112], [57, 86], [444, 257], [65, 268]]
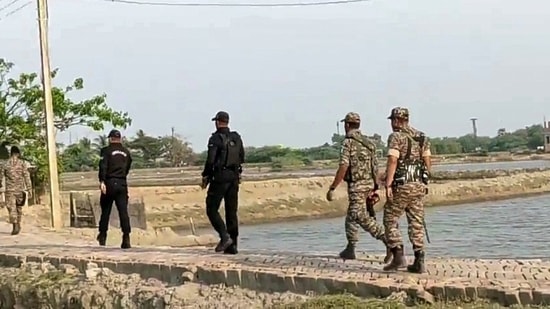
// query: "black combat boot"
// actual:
[[388, 256], [398, 260], [417, 266], [349, 252], [224, 243], [16, 229], [126, 241], [233, 248], [101, 239]]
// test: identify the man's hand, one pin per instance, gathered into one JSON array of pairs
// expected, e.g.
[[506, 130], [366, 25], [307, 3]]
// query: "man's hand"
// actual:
[[204, 183], [373, 194], [389, 193], [102, 187], [330, 195]]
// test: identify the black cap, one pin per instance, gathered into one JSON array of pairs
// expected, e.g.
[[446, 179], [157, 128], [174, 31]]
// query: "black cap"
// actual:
[[221, 116], [114, 133], [15, 150]]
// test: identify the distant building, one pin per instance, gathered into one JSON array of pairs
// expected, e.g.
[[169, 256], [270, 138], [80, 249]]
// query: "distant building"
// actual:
[[501, 132], [546, 126]]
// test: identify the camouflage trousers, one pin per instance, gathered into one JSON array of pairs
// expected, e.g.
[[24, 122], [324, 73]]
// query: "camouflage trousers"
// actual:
[[408, 199], [357, 217], [15, 212]]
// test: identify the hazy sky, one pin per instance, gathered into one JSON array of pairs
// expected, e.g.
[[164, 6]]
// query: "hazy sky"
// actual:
[[286, 75]]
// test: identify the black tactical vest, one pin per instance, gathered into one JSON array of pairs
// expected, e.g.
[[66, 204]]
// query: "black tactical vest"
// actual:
[[410, 169]]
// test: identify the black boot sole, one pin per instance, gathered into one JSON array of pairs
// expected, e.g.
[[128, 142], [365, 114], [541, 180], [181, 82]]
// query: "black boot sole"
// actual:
[[415, 270], [231, 251]]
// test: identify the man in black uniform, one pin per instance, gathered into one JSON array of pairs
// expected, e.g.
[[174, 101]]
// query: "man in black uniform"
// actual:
[[114, 167], [222, 170]]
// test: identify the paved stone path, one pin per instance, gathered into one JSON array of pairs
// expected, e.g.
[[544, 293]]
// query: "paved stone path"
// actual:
[[505, 281]]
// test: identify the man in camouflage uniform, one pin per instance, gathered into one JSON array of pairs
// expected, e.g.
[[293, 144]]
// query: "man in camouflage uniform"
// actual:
[[17, 180], [407, 175], [359, 168]]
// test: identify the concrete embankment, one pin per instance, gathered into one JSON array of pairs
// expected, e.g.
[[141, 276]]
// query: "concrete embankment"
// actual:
[[161, 277], [304, 198]]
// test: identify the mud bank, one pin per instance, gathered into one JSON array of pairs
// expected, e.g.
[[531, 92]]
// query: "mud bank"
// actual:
[[37, 216], [304, 198], [41, 285]]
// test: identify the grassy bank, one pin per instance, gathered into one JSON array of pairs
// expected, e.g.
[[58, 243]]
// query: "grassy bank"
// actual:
[[352, 302]]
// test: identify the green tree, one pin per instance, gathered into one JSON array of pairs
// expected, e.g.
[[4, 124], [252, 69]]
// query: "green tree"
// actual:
[[22, 118], [80, 156], [147, 147], [100, 141], [535, 136], [177, 151], [337, 139]]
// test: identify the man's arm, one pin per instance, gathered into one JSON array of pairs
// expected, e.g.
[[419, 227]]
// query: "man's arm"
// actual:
[[128, 162], [27, 177], [374, 167], [427, 155], [210, 157], [103, 164], [343, 165], [393, 156], [2, 179], [241, 156]]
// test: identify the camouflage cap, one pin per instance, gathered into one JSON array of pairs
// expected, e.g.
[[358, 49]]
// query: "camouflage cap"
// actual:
[[352, 118], [399, 112]]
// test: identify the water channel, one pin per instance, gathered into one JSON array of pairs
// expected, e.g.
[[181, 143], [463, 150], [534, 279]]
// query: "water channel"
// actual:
[[509, 165], [516, 228]]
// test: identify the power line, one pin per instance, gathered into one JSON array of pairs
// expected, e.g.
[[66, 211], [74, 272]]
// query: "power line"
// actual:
[[8, 5], [17, 9], [316, 3]]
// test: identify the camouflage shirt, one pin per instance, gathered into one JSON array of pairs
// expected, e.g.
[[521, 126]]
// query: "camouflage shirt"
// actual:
[[397, 144], [361, 161], [17, 176]]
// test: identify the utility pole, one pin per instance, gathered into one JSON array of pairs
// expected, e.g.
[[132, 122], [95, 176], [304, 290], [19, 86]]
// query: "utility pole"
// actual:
[[173, 157], [474, 126], [338, 127], [55, 203]]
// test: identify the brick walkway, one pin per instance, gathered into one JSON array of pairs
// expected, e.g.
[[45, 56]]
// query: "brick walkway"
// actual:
[[505, 281]]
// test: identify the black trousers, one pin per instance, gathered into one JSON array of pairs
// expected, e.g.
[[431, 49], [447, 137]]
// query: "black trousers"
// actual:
[[117, 192], [229, 192]]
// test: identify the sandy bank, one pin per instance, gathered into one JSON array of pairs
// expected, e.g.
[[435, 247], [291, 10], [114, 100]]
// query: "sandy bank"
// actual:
[[286, 199], [37, 217]]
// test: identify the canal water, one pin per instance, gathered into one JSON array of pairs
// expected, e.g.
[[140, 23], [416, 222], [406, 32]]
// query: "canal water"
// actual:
[[516, 228], [508, 165], [493, 166]]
